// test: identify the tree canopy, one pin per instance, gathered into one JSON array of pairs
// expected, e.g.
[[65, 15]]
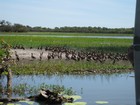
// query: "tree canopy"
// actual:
[[6, 26]]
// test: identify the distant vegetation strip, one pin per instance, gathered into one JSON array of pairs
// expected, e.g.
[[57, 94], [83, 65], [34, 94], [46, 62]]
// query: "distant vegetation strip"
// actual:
[[61, 34], [6, 26], [115, 45]]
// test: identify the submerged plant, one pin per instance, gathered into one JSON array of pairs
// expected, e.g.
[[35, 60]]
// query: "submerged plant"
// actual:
[[27, 90]]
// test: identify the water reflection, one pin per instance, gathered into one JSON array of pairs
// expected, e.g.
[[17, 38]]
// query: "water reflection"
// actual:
[[117, 89]]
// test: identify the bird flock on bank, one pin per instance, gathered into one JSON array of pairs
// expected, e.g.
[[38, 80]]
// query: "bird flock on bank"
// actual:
[[68, 54]]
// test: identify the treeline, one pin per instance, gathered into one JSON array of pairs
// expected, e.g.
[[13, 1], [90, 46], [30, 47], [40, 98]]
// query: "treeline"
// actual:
[[6, 26]]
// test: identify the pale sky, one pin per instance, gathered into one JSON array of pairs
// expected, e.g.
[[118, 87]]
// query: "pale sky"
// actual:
[[59, 13]]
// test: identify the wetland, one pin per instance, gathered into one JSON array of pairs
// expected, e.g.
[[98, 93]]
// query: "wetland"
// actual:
[[97, 69]]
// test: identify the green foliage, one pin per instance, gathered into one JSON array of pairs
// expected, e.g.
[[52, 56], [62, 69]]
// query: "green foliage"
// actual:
[[8, 27], [4, 56], [26, 102], [1, 103], [27, 90], [4, 49], [76, 103], [113, 45], [70, 67], [75, 97]]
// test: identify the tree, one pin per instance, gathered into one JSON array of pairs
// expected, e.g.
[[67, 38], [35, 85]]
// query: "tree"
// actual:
[[5, 26], [19, 28], [5, 61]]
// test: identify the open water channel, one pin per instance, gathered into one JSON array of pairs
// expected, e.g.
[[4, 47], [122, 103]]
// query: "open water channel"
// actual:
[[116, 89]]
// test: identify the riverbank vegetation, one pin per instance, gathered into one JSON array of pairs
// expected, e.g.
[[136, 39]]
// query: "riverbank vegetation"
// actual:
[[70, 67], [107, 50], [6, 26], [75, 55], [102, 44], [26, 90]]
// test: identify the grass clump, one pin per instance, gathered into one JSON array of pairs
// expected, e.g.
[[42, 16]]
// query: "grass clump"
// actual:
[[69, 67], [25, 90]]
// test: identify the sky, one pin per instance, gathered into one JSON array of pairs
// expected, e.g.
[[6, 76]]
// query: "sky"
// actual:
[[60, 13]]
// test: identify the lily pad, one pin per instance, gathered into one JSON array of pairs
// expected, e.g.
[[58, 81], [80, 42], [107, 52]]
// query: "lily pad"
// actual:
[[10, 104], [1, 103], [76, 103], [80, 103], [75, 97], [28, 102], [102, 102], [69, 104]]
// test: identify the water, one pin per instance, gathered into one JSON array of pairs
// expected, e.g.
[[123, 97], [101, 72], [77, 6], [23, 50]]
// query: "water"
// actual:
[[117, 89], [114, 37], [59, 36]]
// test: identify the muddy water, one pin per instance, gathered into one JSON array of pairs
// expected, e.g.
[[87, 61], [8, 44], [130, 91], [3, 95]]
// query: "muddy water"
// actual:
[[117, 89]]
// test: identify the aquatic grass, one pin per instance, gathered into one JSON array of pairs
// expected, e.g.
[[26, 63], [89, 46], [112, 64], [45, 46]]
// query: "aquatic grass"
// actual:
[[115, 45], [69, 67], [27, 90], [75, 97]]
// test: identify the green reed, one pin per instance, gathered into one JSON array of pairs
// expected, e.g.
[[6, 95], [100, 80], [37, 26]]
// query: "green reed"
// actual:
[[114, 45], [26, 90], [69, 67]]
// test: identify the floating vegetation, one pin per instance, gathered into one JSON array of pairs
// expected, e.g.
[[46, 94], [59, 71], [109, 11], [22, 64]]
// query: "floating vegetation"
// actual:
[[75, 97], [1, 103], [76, 103], [101, 102], [26, 102], [24, 90], [16, 104], [23, 103], [80, 103]]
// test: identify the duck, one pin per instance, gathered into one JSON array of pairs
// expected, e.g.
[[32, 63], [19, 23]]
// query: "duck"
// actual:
[[17, 56], [32, 56]]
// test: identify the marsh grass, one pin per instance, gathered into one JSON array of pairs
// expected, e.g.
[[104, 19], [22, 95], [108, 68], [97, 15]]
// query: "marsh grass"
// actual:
[[25, 90], [108, 45], [69, 67]]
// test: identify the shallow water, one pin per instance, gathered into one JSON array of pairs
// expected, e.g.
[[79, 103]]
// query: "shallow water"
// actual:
[[64, 36], [114, 37], [117, 89]]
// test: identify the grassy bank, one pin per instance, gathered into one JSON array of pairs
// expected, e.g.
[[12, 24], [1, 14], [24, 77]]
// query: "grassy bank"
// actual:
[[70, 67], [113, 45]]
